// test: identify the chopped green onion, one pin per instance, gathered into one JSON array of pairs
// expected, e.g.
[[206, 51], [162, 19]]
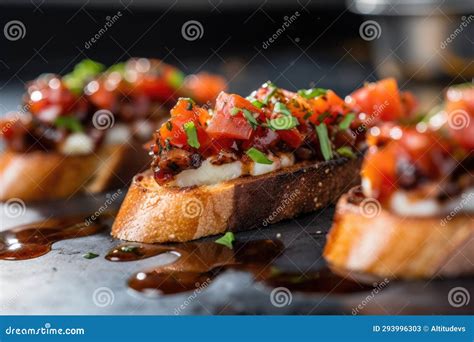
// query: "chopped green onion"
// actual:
[[258, 156], [176, 79], [307, 115], [273, 88], [83, 71], [346, 151], [234, 111], [346, 122], [255, 102], [252, 121], [191, 133], [283, 123], [324, 142], [70, 123], [280, 108], [227, 239], [312, 93]]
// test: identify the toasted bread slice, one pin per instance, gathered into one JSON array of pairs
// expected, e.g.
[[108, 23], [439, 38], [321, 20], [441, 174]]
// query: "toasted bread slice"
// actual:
[[366, 238], [152, 213], [39, 175]]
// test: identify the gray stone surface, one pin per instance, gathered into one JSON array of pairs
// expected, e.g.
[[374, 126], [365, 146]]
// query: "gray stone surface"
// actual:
[[63, 282]]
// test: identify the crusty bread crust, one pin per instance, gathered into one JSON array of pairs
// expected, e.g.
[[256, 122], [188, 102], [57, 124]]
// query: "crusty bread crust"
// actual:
[[152, 213], [378, 242], [39, 175]]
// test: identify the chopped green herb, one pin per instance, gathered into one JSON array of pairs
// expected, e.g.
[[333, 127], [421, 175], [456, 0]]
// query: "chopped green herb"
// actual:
[[280, 108], [307, 115], [234, 111], [190, 106], [83, 72], [272, 89], [324, 142], [70, 123], [167, 144], [255, 102], [258, 156], [346, 151], [346, 122], [119, 67], [312, 93], [283, 123], [252, 121], [191, 133], [227, 239], [169, 125], [175, 79], [90, 255], [129, 249]]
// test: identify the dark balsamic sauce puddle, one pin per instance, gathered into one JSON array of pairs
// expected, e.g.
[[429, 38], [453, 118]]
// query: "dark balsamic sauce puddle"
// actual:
[[198, 263], [35, 239]]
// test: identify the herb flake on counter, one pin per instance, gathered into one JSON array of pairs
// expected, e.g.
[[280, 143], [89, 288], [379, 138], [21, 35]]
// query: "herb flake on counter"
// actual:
[[191, 133], [227, 239], [324, 142], [258, 156], [90, 255]]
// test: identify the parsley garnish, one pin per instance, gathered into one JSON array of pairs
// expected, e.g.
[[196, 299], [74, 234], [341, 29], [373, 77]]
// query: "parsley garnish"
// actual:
[[83, 71], [70, 123], [346, 151], [90, 255], [346, 122], [255, 102], [258, 156], [312, 93], [324, 142], [191, 133], [227, 239], [272, 89]]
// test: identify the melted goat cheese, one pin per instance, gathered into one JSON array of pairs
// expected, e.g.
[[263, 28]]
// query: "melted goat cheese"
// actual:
[[209, 174]]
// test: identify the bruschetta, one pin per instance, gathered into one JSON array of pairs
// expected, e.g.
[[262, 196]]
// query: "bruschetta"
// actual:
[[84, 131], [246, 163], [412, 217]]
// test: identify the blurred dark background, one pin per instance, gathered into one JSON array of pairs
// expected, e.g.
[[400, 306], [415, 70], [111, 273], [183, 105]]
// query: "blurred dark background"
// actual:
[[323, 45]]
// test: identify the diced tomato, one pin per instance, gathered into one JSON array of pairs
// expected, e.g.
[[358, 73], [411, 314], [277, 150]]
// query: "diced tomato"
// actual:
[[173, 131], [225, 125], [262, 139], [292, 137], [380, 100], [184, 108], [204, 87]]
